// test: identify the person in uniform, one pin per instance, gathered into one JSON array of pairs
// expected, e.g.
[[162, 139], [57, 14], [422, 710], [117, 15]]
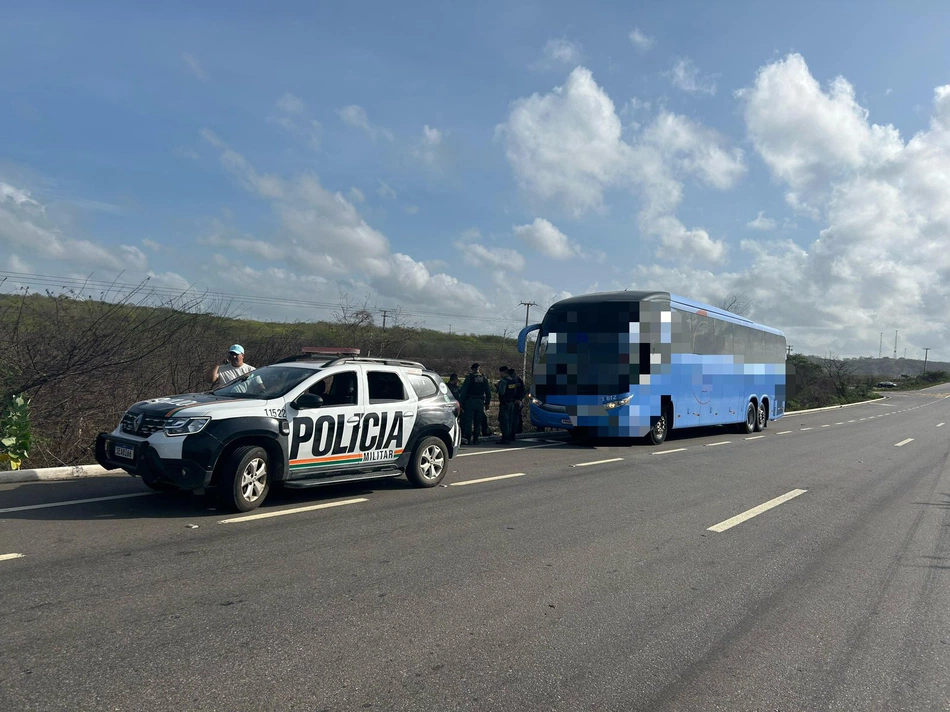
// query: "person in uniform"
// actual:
[[455, 388], [475, 396], [520, 392], [506, 389]]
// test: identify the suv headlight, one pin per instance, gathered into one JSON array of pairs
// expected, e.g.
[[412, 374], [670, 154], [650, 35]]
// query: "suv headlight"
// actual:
[[185, 426], [617, 403], [535, 401]]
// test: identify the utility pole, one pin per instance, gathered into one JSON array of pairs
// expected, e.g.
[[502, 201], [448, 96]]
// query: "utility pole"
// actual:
[[789, 353], [524, 365], [880, 349], [385, 312], [895, 344], [926, 349]]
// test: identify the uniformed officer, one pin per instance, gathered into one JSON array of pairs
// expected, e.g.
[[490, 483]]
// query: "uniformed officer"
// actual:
[[475, 396], [507, 391], [520, 392], [455, 388]]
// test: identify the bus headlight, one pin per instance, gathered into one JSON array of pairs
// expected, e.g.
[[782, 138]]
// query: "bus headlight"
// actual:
[[535, 401], [617, 403]]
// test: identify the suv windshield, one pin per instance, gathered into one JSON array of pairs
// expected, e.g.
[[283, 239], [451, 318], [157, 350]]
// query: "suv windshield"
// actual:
[[265, 383]]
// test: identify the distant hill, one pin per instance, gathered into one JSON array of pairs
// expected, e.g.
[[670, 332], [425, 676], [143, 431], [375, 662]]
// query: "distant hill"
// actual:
[[892, 369]]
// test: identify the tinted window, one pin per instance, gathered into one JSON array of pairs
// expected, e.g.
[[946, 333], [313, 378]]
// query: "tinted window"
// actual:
[[385, 387], [423, 385], [338, 389]]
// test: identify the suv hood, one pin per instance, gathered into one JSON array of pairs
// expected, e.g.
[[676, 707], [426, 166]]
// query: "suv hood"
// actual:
[[191, 404]]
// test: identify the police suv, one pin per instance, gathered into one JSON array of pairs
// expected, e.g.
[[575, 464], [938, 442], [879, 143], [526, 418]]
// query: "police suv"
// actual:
[[301, 422]]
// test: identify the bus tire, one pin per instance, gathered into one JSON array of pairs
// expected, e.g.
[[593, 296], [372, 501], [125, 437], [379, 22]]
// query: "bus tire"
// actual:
[[751, 419], [762, 418], [661, 427]]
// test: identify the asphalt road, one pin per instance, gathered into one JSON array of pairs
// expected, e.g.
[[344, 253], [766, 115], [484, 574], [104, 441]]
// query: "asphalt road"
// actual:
[[561, 585]]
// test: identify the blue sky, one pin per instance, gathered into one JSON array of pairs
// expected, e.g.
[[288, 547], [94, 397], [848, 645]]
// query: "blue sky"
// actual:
[[453, 161]]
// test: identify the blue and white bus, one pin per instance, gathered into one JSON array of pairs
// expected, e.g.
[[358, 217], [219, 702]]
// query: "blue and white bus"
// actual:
[[632, 364]]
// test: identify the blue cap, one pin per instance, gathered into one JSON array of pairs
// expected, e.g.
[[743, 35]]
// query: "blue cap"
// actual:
[[237, 349]]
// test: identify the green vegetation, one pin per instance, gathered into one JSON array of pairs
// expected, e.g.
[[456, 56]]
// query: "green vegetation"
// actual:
[[15, 433]]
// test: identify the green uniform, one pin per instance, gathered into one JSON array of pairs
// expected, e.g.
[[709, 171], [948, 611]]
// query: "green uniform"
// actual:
[[475, 397]]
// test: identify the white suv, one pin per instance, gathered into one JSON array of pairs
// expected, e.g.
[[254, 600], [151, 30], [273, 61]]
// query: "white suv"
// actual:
[[297, 422]]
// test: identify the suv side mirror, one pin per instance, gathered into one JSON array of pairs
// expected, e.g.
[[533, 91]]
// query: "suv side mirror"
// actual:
[[308, 400]]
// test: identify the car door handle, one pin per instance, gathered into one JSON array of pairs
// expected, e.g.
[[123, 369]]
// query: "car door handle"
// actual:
[[353, 420], [408, 414]]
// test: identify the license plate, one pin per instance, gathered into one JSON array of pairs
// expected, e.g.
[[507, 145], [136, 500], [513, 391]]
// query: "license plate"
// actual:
[[566, 421], [122, 451]]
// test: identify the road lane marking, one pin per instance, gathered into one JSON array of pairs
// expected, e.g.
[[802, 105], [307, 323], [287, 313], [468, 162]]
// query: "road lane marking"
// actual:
[[784, 432], [940, 425], [902, 443], [295, 510], [755, 437], [486, 479], [826, 426], [839, 423], [667, 452], [851, 421], [755, 511], [724, 442], [7, 557], [597, 462], [76, 501], [507, 449], [807, 428]]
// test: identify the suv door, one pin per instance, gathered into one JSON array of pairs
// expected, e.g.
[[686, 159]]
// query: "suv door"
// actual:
[[326, 439], [389, 416]]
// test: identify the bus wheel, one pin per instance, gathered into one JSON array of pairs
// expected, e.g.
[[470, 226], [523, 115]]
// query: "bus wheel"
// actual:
[[660, 428], [762, 418], [751, 419]]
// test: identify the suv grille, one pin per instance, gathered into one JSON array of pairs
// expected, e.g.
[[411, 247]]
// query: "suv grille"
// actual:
[[149, 424]]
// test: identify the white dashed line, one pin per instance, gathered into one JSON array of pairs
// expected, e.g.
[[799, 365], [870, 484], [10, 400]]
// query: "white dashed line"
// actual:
[[724, 442], [295, 510], [784, 432], [826, 426], [839, 423], [755, 437], [76, 501], [755, 511], [852, 421], [7, 557], [940, 425], [487, 479], [902, 443], [597, 462], [807, 428], [507, 449], [667, 452]]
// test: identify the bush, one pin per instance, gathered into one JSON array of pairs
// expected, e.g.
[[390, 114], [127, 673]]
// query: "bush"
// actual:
[[15, 434]]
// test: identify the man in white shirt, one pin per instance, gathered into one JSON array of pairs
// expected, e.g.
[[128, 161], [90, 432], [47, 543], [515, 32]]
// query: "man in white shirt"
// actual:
[[233, 367]]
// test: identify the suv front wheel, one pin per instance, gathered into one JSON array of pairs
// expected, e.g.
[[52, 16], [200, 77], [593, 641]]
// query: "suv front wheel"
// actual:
[[245, 479], [428, 463]]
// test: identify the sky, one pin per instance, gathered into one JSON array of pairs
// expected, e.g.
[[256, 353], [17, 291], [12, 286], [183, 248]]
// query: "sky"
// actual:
[[447, 162]]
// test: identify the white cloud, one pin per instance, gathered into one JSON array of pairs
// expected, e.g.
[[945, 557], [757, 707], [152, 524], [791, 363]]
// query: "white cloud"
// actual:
[[761, 222], [500, 258], [292, 115], [24, 224], [323, 235], [385, 191], [565, 146], [356, 195], [152, 245], [562, 51], [640, 40], [431, 149], [685, 75], [545, 238], [194, 66], [566, 149], [357, 117], [879, 261]]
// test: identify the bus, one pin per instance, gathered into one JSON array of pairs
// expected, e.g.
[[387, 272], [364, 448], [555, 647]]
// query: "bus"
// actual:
[[640, 363]]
